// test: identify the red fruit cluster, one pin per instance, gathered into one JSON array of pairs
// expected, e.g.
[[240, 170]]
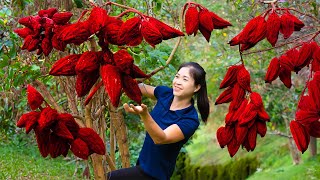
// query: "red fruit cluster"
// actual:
[[116, 70], [134, 30], [259, 28], [246, 118], [293, 60], [307, 119], [40, 29], [56, 133], [200, 18]]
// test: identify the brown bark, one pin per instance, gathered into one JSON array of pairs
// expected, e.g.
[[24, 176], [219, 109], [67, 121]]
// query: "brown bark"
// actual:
[[313, 146], [120, 130]]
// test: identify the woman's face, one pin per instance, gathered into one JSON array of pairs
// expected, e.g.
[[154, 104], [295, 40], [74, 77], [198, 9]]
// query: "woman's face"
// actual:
[[183, 84]]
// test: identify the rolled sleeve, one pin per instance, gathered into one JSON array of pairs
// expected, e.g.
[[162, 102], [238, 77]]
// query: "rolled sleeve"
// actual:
[[188, 126]]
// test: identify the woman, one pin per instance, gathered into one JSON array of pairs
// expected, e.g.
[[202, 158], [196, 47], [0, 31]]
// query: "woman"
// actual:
[[171, 123]]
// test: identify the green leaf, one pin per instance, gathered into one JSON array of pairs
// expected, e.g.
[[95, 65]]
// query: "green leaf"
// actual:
[[35, 67], [78, 3], [4, 61]]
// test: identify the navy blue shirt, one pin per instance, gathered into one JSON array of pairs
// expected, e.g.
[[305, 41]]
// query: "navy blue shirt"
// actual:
[[159, 161]]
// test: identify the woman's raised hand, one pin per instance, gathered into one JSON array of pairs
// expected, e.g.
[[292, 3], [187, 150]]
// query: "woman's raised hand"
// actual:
[[139, 110]]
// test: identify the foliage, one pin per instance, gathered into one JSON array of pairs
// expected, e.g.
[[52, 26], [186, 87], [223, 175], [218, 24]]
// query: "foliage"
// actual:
[[25, 162]]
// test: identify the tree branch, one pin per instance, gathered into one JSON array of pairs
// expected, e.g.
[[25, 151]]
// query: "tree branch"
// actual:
[[279, 134], [48, 96]]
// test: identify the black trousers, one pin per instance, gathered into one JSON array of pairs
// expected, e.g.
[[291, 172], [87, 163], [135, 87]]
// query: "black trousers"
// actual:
[[132, 173]]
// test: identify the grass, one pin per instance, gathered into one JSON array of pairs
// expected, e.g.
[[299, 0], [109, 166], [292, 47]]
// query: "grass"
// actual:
[[25, 162], [272, 151]]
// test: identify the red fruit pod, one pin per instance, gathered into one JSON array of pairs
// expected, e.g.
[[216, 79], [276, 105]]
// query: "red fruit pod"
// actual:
[[225, 135], [57, 43], [84, 83], [166, 31], [93, 140], [30, 43], [238, 95], [240, 110], [240, 133], [261, 128], [68, 120], [314, 129], [229, 119], [256, 100], [130, 32], [150, 33], [76, 33], [136, 72], [287, 25], [233, 147], [252, 137], [46, 46], [111, 30], [273, 70], [249, 29], [65, 66], [225, 96], [305, 55], [249, 114], [298, 25], [259, 33], [92, 92], [88, 63], [205, 20], [112, 81], [192, 20], [123, 61], [286, 62], [273, 28], [206, 33], [35, 99], [263, 115], [43, 139], [131, 88], [218, 22], [28, 120], [314, 90], [300, 135], [285, 77], [306, 103], [27, 21], [23, 32], [231, 76], [306, 117], [80, 148], [60, 129], [316, 60], [243, 78], [47, 12], [235, 40], [47, 118], [62, 18], [97, 19], [57, 146]]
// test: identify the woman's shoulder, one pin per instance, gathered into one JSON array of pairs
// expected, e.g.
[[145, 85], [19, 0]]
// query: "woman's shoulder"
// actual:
[[162, 92]]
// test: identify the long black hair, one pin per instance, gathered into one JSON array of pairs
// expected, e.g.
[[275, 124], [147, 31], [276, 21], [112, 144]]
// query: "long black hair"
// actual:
[[199, 76]]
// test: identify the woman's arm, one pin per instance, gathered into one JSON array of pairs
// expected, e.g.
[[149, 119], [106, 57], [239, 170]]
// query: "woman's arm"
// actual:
[[171, 134], [147, 90]]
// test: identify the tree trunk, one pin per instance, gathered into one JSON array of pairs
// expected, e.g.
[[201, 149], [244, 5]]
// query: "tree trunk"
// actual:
[[120, 130], [313, 146]]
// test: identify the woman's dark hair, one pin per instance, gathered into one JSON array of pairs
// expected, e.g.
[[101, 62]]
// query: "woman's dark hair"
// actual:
[[199, 76]]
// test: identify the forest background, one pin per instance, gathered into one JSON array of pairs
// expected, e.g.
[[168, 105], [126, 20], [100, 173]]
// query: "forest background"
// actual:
[[202, 158]]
